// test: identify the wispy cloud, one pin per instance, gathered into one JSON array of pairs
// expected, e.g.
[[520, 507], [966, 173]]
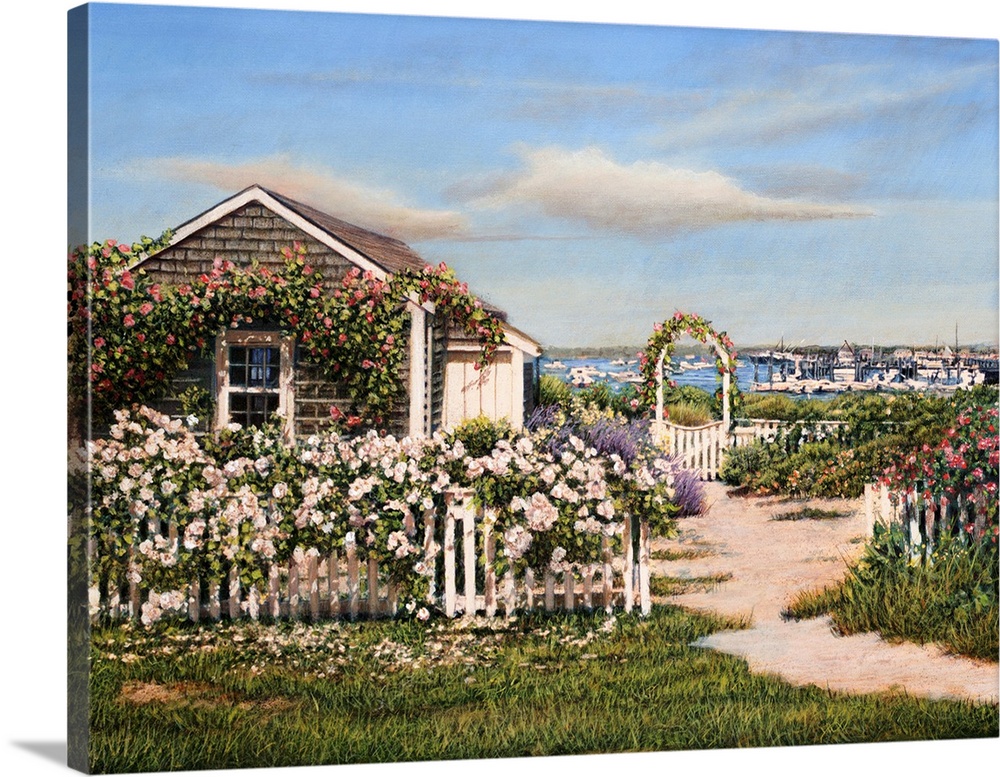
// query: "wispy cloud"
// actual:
[[801, 180], [375, 208], [823, 98], [645, 198]]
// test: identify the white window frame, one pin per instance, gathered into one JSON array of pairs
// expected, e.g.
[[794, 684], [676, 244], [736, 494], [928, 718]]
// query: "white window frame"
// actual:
[[286, 386]]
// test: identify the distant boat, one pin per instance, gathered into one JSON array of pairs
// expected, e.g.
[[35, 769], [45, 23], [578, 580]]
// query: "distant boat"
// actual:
[[628, 376], [618, 363], [556, 365], [587, 370]]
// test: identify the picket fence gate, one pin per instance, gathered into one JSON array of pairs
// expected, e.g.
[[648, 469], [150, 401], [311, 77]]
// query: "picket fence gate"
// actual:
[[924, 521], [699, 447], [347, 585]]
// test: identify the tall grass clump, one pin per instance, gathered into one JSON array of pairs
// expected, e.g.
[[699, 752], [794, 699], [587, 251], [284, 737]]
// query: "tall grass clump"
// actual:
[[688, 414], [951, 600]]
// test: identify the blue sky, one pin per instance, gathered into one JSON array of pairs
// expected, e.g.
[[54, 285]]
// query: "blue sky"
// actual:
[[590, 179]]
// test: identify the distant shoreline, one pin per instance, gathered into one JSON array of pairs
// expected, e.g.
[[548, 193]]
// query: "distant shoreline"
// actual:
[[630, 351]]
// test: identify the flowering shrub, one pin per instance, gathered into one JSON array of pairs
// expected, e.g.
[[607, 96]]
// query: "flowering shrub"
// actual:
[[612, 434], [165, 510], [128, 336], [964, 463]]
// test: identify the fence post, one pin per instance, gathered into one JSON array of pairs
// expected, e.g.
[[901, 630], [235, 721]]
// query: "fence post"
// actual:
[[489, 548], [645, 604], [135, 606], [469, 552], [449, 556], [569, 589], [214, 604], [629, 570], [234, 592], [509, 591], [353, 582], [333, 584], [930, 518], [313, 580], [550, 590], [372, 568], [194, 600], [979, 522], [293, 589], [607, 573], [913, 521], [273, 590], [430, 554], [869, 510], [886, 509]]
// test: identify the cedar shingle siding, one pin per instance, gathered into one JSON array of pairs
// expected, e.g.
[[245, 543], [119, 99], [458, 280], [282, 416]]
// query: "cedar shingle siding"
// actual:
[[252, 232], [255, 233]]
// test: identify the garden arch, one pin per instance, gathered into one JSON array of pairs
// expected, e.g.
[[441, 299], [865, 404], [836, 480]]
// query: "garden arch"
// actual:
[[661, 344]]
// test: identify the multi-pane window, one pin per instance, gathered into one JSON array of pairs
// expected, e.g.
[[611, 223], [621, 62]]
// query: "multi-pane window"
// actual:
[[254, 378], [254, 383]]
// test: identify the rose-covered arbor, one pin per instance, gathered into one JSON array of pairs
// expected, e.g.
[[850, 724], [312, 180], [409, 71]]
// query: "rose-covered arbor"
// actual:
[[659, 349]]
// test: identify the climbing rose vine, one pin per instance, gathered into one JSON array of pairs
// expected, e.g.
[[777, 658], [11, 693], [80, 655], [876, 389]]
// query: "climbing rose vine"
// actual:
[[128, 336]]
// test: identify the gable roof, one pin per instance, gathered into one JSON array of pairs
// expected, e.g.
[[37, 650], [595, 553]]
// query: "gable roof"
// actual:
[[380, 254], [394, 255], [368, 250]]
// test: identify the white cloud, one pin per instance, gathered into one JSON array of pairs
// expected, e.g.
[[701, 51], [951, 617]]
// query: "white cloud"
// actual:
[[377, 209], [645, 198]]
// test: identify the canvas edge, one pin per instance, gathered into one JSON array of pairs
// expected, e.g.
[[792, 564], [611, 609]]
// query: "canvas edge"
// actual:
[[78, 218]]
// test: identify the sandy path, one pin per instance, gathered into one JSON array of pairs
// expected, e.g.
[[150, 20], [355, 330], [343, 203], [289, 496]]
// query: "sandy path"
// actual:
[[772, 560]]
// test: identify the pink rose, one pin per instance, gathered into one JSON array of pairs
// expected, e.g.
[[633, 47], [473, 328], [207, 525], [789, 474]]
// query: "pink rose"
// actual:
[[128, 320]]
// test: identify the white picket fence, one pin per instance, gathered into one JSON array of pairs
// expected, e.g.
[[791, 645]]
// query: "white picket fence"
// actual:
[[750, 430], [924, 520], [346, 585], [701, 448]]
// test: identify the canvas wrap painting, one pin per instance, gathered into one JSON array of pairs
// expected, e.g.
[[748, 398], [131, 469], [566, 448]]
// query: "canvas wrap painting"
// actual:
[[445, 389]]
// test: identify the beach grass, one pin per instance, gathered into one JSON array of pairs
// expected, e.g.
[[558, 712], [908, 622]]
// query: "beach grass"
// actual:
[[951, 601]]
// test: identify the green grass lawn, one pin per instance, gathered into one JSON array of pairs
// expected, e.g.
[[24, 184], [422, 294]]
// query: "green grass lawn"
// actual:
[[226, 696]]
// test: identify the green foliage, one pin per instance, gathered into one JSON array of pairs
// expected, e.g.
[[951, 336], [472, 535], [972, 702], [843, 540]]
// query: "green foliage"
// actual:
[[739, 464], [196, 401], [553, 391], [480, 435], [688, 395], [779, 407], [877, 433], [951, 600], [810, 514]]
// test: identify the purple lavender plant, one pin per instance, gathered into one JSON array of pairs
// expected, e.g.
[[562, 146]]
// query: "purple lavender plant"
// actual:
[[689, 492], [629, 440]]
